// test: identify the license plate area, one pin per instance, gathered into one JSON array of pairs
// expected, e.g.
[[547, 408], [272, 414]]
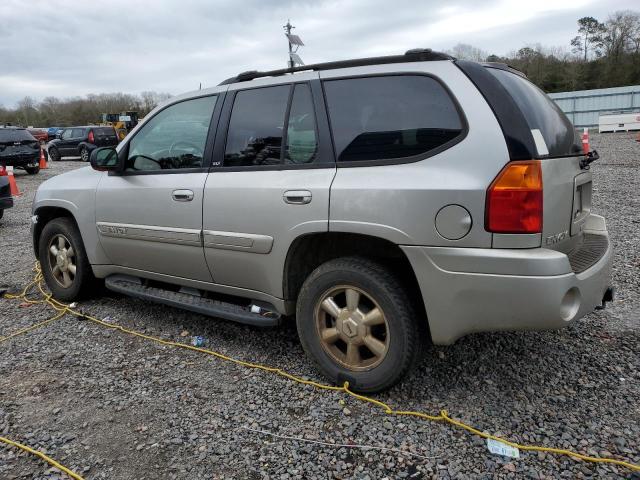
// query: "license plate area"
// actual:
[[581, 202]]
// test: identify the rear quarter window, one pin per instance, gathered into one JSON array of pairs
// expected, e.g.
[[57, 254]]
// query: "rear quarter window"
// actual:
[[390, 117], [540, 112]]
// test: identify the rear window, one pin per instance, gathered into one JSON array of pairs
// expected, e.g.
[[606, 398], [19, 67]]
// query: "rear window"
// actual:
[[14, 135], [104, 131], [540, 113], [390, 117]]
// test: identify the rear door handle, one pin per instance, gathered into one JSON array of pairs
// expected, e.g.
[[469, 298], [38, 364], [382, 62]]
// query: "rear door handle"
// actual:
[[297, 197], [182, 195]]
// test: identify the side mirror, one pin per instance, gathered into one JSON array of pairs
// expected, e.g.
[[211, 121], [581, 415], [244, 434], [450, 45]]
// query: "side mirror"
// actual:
[[104, 159], [59, 134]]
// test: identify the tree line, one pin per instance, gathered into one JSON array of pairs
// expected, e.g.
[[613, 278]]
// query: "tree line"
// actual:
[[52, 111], [602, 54]]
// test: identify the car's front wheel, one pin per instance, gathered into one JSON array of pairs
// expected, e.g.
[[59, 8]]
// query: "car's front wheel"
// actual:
[[54, 154], [32, 170], [356, 320], [84, 154], [64, 263]]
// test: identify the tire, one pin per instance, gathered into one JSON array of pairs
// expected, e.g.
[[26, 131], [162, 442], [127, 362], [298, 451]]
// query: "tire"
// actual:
[[83, 281], [1, 213], [32, 170], [84, 154], [54, 154], [376, 287]]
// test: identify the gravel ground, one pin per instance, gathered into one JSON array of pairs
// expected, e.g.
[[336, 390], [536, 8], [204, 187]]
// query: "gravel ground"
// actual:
[[111, 406]]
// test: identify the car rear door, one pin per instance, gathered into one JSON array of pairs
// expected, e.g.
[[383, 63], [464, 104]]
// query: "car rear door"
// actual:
[[273, 168], [149, 218], [104, 136]]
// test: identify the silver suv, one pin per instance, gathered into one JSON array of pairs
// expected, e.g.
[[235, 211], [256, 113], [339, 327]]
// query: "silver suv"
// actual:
[[382, 201]]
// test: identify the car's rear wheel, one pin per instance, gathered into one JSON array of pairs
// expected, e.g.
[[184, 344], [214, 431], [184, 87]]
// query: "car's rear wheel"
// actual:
[[356, 320], [64, 263], [54, 154], [84, 154], [32, 170]]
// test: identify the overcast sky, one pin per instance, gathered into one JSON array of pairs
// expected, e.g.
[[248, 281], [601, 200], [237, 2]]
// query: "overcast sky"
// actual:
[[73, 47]]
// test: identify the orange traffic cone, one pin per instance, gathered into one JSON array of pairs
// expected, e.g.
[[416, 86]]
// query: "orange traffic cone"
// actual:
[[13, 186], [585, 140], [43, 160]]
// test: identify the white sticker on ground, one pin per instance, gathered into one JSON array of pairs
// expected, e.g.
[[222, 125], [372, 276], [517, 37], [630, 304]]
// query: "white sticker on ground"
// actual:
[[541, 145], [498, 448]]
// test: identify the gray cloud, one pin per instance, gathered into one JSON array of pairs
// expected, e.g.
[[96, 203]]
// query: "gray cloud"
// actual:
[[70, 47]]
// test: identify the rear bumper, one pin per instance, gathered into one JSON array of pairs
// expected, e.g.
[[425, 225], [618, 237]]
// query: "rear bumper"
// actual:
[[468, 290], [21, 162]]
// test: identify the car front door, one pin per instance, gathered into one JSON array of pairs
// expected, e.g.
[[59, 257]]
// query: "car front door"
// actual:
[[149, 218], [272, 171], [64, 143]]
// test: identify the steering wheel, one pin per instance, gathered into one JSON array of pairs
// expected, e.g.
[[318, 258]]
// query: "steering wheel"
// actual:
[[196, 148]]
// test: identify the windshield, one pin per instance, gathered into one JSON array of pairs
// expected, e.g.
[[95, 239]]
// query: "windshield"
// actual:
[[540, 113]]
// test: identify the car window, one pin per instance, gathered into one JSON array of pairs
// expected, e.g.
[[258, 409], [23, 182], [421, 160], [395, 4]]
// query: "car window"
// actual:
[[174, 138], [66, 134], [541, 113], [77, 133], [256, 127], [11, 135], [389, 117], [302, 141]]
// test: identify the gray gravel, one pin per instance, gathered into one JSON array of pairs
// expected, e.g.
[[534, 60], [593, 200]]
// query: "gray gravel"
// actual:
[[111, 406]]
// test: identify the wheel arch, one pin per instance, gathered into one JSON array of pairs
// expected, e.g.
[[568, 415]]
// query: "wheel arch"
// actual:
[[309, 251], [45, 214]]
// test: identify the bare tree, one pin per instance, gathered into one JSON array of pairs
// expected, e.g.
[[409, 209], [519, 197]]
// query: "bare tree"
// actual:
[[589, 38], [464, 51]]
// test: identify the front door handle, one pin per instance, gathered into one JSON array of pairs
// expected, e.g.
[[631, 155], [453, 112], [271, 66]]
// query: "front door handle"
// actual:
[[297, 197], [182, 195]]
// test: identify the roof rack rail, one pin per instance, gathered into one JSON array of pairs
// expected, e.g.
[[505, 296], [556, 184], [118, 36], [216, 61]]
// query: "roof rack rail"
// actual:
[[415, 55]]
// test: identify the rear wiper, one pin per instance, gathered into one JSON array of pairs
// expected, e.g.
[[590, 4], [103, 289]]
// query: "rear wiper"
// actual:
[[589, 158]]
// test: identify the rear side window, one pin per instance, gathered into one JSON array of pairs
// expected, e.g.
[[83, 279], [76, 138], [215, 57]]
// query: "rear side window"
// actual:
[[260, 126], [390, 117], [256, 127], [540, 113], [14, 135], [78, 133]]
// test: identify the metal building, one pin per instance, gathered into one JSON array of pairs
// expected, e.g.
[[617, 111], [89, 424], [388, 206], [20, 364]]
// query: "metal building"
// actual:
[[583, 107]]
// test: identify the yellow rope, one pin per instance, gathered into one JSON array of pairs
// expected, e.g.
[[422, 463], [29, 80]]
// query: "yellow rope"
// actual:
[[44, 457], [62, 309]]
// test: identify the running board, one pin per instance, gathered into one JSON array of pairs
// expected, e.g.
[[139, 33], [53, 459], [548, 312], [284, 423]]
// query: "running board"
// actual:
[[134, 287]]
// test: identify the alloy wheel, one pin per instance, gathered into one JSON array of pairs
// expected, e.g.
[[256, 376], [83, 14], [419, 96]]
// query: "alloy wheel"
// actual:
[[352, 328], [62, 260]]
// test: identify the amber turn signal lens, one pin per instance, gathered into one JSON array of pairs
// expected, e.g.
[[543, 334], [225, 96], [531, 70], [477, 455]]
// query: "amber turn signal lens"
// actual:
[[514, 199]]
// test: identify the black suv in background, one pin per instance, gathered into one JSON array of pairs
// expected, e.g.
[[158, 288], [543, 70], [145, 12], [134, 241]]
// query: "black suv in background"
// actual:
[[19, 149], [80, 141]]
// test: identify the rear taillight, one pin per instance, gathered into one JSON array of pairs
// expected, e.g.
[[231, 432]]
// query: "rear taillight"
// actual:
[[514, 199], [91, 137]]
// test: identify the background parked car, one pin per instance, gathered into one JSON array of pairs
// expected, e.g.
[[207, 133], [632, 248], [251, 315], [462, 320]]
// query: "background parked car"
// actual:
[[80, 141], [6, 200], [19, 149], [53, 131], [40, 134]]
